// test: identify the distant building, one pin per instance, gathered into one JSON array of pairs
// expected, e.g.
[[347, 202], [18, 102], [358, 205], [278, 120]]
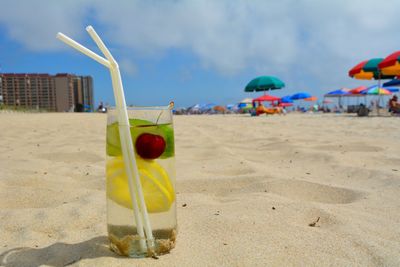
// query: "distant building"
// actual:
[[61, 92], [1, 92]]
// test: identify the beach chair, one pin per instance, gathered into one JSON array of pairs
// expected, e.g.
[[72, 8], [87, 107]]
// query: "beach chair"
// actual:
[[362, 111]]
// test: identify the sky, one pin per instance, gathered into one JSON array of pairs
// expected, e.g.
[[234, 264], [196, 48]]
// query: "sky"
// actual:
[[200, 51]]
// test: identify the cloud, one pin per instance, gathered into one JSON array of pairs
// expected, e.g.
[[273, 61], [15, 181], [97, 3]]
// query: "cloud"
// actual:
[[35, 23], [128, 67], [288, 38]]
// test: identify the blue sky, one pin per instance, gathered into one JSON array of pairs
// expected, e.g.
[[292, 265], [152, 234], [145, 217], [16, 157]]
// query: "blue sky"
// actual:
[[206, 51]]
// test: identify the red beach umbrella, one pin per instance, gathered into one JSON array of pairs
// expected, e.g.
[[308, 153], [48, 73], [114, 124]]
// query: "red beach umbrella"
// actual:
[[357, 90], [269, 98], [368, 70], [358, 70], [390, 65], [285, 104]]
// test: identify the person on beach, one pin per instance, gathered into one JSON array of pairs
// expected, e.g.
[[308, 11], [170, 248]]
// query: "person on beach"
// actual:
[[394, 106]]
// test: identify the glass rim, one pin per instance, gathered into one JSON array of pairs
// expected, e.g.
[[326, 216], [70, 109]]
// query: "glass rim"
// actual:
[[143, 108]]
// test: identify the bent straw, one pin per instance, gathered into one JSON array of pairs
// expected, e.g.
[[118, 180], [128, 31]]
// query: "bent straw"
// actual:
[[117, 83], [126, 141], [83, 49]]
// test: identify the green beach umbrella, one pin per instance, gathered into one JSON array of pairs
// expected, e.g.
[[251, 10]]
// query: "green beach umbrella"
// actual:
[[264, 83]]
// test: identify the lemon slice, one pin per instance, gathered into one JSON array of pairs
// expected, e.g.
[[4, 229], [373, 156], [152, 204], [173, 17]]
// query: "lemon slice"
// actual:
[[157, 188]]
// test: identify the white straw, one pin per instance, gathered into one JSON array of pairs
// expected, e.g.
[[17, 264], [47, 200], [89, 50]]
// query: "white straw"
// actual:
[[126, 141], [100, 44], [83, 49], [123, 117]]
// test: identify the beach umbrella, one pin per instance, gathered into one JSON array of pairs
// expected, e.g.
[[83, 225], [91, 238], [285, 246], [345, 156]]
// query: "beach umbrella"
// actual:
[[219, 109], [207, 107], [263, 98], [311, 99], [264, 83], [232, 106], [245, 103], [368, 70], [391, 89], [286, 99], [283, 104], [246, 100], [195, 108], [394, 82], [357, 90], [299, 96], [337, 93], [375, 90], [390, 65]]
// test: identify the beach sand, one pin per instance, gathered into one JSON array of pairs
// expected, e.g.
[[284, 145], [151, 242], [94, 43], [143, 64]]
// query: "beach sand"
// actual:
[[248, 189]]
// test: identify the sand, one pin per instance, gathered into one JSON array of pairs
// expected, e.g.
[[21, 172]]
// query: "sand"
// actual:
[[248, 190]]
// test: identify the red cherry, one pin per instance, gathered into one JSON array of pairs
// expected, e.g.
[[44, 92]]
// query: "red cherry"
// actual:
[[150, 146]]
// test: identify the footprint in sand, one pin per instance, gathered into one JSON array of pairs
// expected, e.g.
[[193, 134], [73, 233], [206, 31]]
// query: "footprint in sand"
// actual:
[[351, 147], [308, 191], [72, 157], [20, 197], [231, 170], [297, 190]]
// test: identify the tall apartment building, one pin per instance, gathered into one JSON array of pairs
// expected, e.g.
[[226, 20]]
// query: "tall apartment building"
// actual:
[[1, 92], [61, 92]]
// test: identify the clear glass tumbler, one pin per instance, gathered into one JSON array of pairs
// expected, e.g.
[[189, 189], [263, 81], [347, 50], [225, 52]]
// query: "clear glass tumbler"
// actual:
[[152, 134]]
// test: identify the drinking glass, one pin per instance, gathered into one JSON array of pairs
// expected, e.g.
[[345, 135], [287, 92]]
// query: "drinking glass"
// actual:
[[152, 135]]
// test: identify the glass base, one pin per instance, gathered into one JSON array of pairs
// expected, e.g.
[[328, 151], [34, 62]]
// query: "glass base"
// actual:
[[125, 242]]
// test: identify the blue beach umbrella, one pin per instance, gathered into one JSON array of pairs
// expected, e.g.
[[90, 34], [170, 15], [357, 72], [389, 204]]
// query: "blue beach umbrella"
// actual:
[[286, 99], [337, 93], [231, 106], [207, 107], [391, 89], [394, 82], [299, 96]]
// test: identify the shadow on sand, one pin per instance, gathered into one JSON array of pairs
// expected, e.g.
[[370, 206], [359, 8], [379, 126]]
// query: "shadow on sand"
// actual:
[[58, 254]]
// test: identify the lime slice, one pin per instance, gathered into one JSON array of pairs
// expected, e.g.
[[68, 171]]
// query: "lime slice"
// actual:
[[137, 128], [157, 188]]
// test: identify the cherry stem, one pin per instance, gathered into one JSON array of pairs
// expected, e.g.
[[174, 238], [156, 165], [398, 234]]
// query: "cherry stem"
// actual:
[[159, 116]]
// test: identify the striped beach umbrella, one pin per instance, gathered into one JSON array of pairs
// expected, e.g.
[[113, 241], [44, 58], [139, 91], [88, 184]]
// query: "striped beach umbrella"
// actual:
[[391, 64], [368, 70], [376, 90]]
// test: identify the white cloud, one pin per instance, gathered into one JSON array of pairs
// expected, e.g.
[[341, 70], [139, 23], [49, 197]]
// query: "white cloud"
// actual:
[[128, 67], [35, 23], [287, 38]]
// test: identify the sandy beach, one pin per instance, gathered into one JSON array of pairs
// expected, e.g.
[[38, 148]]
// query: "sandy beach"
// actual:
[[295, 190]]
